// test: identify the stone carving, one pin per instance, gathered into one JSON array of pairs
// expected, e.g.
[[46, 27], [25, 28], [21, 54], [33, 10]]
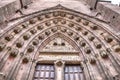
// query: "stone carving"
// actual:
[[17, 30], [58, 44], [108, 39], [19, 44], [82, 43], [32, 21], [78, 19], [78, 28], [70, 24], [92, 60], [84, 32], [61, 39], [13, 52], [103, 54], [40, 18], [97, 45], [94, 27], [70, 33], [26, 36], [9, 37], [85, 23], [117, 48], [91, 37], [87, 50], [33, 31], [25, 59], [41, 37], [48, 23], [2, 46], [40, 27], [35, 42], [30, 49]]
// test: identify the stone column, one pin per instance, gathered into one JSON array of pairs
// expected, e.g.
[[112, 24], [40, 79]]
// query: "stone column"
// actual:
[[59, 70]]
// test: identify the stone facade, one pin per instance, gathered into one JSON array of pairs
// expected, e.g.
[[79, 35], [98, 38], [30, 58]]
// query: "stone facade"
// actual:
[[110, 13], [60, 38]]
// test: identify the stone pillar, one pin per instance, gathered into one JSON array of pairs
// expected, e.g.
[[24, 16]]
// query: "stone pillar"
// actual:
[[59, 70]]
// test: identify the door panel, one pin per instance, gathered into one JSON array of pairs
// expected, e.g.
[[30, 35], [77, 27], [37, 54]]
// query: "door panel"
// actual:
[[73, 72], [44, 72]]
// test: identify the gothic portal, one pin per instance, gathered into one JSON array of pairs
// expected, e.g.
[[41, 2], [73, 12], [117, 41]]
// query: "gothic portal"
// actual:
[[59, 43]]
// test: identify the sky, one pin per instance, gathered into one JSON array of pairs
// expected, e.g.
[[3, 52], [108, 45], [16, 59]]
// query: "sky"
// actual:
[[115, 1]]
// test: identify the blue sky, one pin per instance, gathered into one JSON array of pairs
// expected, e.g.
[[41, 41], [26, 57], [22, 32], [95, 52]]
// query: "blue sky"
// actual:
[[115, 1]]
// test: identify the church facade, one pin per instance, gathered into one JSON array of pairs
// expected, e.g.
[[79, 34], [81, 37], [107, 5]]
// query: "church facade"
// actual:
[[60, 40]]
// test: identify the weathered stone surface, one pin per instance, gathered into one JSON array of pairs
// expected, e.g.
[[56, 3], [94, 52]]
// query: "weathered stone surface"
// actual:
[[64, 31]]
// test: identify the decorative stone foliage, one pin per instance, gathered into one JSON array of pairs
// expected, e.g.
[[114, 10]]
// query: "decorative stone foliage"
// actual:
[[35, 42], [76, 38], [117, 48], [41, 37], [87, 50], [78, 28], [71, 17], [13, 52], [85, 32], [85, 23], [30, 49], [55, 44], [62, 14], [19, 44], [54, 29], [62, 44], [63, 30], [9, 37], [78, 19], [91, 37], [40, 27], [94, 27], [33, 31], [70, 24], [92, 60], [47, 33], [2, 46], [70, 33], [25, 60], [82, 43], [40, 18], [26, 36], [32, 21], [48, 23], [104, 54], [108, 39], [97, 45], [17, 30], [63, 21], [24, 25], [47, 16], [55, 14], [55, 21]]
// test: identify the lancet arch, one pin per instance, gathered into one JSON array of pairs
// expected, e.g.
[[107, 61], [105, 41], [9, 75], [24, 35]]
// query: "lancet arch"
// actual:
[[98, 45]]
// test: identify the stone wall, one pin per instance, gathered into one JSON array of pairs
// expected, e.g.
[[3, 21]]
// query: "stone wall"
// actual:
[[8, 8], [110, 13], [25, 2], [91, 3]]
